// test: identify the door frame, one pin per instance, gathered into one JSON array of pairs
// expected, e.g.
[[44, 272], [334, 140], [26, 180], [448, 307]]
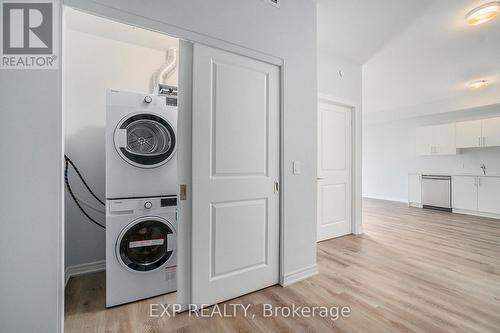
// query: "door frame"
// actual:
[[356, 157], [185, 37]]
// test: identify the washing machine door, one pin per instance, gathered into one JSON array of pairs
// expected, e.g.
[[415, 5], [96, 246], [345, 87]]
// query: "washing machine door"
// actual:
[[145, 140], [147, 244]]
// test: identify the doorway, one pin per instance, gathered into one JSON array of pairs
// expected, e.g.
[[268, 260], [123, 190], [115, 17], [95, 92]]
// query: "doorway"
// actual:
[[338, 173], [106, 63]]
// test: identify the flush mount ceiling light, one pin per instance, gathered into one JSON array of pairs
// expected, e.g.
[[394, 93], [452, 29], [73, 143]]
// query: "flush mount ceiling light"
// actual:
[[484, 13], [478, 84]]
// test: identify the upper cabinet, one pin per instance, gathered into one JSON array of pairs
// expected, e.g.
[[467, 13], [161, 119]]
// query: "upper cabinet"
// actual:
[[478, 133], [446, 138], [491, 132], [436, 140], [468, 134]]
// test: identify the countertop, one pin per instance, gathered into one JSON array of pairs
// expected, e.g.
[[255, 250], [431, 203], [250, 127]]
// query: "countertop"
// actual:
[[456, 174]]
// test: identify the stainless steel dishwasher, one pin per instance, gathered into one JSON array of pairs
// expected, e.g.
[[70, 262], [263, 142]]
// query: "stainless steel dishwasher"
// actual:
[[436, 192]]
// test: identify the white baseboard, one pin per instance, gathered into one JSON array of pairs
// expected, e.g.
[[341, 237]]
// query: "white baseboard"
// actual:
[[382, 197], [476, 213], [299, 275], [91, 267]]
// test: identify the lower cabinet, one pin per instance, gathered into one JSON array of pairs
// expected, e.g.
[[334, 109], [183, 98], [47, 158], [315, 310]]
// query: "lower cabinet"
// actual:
[[414, 190], [476, 194], [464, 192], [488, 195]]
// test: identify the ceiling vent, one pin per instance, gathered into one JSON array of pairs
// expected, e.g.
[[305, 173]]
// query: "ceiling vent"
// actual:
[[275, 3]]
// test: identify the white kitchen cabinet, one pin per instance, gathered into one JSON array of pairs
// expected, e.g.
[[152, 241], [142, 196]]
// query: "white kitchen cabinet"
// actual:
[[468, 134], [436, 140], [415, 190], [464, 192], [491, 132], [478, 133], [488, 198], [424, 140], [444, 139]]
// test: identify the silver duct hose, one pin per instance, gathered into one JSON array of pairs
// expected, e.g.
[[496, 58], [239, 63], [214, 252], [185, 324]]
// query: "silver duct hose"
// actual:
[[165, 70]]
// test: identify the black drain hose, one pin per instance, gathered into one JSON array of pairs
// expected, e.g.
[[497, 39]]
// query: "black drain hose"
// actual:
[[67, 161]]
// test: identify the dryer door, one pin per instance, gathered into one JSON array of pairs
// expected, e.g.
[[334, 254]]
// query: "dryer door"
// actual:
[[145, 140], [146, 244]]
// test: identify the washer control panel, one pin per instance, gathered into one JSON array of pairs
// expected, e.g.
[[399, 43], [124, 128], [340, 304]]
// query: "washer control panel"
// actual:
[[135, 206]]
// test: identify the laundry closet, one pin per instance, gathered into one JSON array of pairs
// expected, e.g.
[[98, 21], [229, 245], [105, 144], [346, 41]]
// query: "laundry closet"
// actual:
[[173, 156], [120, 102]]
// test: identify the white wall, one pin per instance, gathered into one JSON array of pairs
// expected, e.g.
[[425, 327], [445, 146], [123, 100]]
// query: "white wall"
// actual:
[[347, 87], [252, 24], [92, 65], [389, 154], [30, 182]]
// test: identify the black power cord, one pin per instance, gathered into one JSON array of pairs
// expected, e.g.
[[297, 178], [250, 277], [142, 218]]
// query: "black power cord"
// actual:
[[67, 161]]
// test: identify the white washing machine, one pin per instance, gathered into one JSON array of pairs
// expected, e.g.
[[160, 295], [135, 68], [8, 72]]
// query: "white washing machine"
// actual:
[[141, 248], [141, 146]]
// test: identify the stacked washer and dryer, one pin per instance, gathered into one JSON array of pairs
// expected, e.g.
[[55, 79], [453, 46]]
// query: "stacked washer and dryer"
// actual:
[[141, 197]]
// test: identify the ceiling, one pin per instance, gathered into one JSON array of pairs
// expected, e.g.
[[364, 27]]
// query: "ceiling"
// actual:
[[102, 27], [356, 29], [426, 67]]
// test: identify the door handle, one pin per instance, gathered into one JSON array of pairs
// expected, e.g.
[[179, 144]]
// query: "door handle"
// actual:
[[276, 187], [320, 178]]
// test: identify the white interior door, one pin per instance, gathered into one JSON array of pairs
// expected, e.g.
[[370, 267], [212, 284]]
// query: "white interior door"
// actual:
[[334, 171], [235, 241]]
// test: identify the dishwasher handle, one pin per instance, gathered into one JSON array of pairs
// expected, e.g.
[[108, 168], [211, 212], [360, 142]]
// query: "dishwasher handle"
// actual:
[[437, 177]]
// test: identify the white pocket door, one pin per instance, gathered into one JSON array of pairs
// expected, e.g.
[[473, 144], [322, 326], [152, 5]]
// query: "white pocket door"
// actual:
[[235, 243]]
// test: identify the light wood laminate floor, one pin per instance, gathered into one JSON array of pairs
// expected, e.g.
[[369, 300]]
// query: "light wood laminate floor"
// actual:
[[412, 270]]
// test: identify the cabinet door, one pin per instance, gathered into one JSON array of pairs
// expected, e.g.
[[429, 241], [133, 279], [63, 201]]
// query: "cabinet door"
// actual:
[[468, 134], [444, 139], [424, 140], [415, 189], [464, 192], [488, 195], [491, 132]]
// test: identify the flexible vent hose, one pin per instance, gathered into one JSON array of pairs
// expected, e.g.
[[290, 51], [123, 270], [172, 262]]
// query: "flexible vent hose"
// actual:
[[68, 161]]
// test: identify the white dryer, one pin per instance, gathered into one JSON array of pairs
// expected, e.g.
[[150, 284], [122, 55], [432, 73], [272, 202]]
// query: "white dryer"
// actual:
[[141, 146], [141, 248]]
